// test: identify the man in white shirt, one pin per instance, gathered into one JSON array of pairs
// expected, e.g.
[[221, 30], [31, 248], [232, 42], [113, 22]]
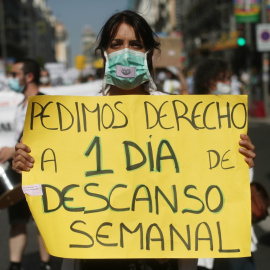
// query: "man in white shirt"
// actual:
[[24, 78]]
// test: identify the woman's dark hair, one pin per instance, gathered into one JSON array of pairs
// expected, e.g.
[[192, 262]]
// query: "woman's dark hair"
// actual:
[[208, 72], [138, 23]]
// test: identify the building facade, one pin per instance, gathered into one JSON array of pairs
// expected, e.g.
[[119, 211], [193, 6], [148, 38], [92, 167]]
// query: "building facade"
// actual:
[[88, 50], [210, 29], [62, 51], [160, 14], [28, 30]]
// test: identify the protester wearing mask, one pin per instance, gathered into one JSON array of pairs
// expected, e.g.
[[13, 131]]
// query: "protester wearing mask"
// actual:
[[14, 83], [212, 76], [45, 78], [127, 69], [126, 42], [24, 78], [175, 83], [237, 87]]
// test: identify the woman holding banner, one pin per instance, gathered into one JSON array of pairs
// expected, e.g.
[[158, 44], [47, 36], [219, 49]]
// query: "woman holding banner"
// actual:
[[127, 43]]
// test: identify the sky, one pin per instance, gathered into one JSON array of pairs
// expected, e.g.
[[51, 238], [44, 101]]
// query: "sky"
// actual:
[[75, 14]]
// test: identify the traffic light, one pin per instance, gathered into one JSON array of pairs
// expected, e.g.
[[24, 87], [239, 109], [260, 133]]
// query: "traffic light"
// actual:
[[241, 41]]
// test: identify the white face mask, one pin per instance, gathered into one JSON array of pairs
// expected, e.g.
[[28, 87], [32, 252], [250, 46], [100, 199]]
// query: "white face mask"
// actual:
[[44, 80], [14, 84], [222, 89]]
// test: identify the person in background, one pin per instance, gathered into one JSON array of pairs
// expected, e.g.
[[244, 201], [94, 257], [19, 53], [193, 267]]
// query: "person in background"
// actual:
[[24, 78], [45, 78], [190, 79], [175, 82], [88, 75], [160, 78], [213, 77], [236, 86], [245, 80], [124, 35], [4, 81], [91, 75], [90, 78]]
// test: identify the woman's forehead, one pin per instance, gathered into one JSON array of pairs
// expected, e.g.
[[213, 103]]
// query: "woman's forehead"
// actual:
[[125, 31]]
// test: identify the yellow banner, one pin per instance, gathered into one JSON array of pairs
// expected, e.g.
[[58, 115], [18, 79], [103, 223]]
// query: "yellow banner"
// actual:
[[139, 176]]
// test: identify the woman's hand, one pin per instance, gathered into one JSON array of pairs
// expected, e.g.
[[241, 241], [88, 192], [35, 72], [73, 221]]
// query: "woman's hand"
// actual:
[[22, 161], [248, 150]]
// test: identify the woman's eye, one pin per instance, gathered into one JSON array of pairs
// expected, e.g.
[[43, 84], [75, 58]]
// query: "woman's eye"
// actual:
[[139, 46], [114, 45]]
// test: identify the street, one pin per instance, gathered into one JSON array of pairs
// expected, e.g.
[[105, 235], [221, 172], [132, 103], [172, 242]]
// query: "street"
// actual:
[[259, 130], [31, 258]]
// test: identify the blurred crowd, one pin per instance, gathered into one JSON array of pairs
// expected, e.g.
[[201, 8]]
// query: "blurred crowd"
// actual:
[[177, 79]]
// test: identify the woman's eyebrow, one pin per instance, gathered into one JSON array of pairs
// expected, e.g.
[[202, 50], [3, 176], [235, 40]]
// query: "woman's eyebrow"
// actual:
[[117, 39], [136, 41]]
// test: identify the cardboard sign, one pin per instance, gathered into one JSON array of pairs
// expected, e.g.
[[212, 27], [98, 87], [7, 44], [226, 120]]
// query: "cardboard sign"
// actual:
[[139, 176], [170, 52]]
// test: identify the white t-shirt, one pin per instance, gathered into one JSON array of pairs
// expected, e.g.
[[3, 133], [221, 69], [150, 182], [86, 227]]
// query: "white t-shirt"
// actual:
[[153, 93]]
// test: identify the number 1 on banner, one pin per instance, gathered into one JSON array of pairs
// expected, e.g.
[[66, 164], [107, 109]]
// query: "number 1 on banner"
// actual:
[[98, 171]]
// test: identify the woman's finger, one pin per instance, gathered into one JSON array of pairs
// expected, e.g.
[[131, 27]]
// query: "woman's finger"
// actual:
[[23, 147], [25, 161], [23, 150], [250, 162], [246, 142], [247, 150], [23, 156], [18, 167]]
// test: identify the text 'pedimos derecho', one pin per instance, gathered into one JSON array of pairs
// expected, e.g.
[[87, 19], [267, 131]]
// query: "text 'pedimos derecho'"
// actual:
[[170, 114]]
